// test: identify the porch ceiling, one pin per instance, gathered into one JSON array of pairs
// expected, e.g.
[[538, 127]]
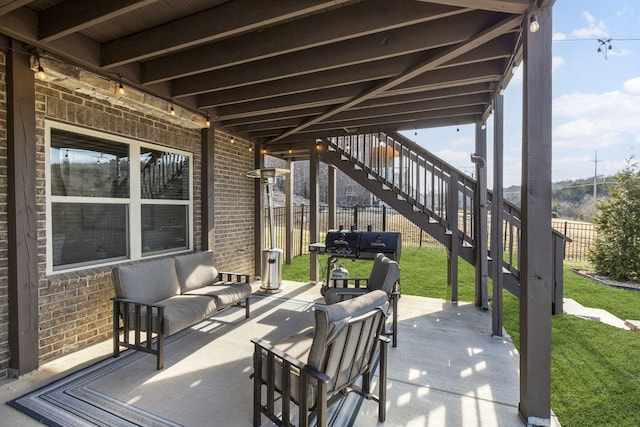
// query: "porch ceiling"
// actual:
[[289, 71]]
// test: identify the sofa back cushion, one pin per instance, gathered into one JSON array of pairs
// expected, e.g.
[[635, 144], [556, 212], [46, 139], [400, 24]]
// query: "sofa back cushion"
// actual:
[[148, 281], [195, 270]]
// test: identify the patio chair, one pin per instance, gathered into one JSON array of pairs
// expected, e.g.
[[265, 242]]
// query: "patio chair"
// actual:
[[316, 368], [385, 275]]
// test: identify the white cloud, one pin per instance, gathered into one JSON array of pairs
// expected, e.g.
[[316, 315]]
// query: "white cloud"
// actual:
[[588, 120], [556, 61], [559, 37], [622, 12], [594, 28], [632, 86]]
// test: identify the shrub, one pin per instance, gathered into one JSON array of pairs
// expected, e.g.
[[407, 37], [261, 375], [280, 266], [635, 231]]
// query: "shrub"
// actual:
[[616, 252]]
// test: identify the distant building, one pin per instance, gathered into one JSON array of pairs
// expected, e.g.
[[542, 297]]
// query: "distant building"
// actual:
[[348, 192]]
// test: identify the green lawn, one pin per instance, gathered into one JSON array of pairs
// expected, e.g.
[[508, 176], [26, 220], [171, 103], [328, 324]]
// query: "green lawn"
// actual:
[[595, 367]]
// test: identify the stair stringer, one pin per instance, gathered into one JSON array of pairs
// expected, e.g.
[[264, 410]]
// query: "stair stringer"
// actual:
[[404, 207]]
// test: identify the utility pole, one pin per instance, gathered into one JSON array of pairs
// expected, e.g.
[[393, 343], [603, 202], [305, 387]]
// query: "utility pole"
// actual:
[[595, 183]]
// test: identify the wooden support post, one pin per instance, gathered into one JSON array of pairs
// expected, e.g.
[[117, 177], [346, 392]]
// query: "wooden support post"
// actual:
[[454, 245], [289, 213], [207, 183], [497, 216], [22, 233], [536, 278], [258, 220], [331, 199], [314, 205], [480, 218]]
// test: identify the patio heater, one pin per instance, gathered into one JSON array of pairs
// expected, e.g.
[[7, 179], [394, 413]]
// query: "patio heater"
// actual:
[[271, 256]]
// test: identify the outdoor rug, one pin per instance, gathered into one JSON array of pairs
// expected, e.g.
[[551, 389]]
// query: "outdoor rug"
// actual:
[[205, 381]]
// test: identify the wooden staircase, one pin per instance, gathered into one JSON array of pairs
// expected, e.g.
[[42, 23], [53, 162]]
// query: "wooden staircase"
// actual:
[[431, 193]]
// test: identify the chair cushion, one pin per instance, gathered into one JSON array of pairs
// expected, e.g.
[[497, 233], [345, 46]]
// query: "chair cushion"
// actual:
[[195, 270], [225, 293], [180, 311], [297, 346], [384, 274], [335, 295], [149, 281], [332, 319]]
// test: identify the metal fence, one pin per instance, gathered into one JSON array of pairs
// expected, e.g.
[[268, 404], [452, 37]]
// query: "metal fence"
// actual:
[[582, 235], [383, 218]]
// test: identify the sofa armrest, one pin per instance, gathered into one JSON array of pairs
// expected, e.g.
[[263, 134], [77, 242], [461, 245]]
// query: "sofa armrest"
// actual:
[[121, 310], [226, 276]]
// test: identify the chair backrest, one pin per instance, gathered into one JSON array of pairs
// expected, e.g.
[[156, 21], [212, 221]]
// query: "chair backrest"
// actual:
[[346, 337], [384, 274]]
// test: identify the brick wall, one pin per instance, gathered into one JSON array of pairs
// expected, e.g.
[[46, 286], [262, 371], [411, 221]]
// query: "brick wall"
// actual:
[[75, 308], [4, 299], [233, 204]]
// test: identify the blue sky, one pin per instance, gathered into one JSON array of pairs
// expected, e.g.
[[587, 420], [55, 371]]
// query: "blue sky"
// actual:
[[596, 99]]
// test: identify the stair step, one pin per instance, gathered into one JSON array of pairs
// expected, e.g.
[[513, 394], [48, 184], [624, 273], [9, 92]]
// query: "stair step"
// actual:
[[357, 167], [400, 197]]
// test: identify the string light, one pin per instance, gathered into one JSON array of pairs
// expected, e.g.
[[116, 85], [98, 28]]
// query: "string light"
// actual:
[[534, 25], [40, 74], [209, 122], [172, 111], [233, 141], [120, 86]]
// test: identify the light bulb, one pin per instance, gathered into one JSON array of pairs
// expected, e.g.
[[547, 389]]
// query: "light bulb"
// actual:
[[534, 25], [40, 74]]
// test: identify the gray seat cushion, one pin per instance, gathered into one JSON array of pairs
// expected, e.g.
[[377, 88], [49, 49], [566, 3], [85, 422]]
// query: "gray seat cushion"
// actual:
[[180, 312], [226, 294]]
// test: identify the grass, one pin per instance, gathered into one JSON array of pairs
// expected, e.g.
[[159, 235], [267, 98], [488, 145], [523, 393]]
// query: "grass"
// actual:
[[594, 366]]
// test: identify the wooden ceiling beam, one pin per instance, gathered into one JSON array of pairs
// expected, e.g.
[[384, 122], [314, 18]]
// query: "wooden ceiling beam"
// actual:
[[480, 88], [358, 20], [72, 16], [491, 33], [380, 122], [506, 6], [402, 41], [436, 79], [229, 19], [382, 113], [351, 75]]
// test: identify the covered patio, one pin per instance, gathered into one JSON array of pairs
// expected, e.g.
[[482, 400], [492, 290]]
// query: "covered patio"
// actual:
[[212, 86], [453, 373]]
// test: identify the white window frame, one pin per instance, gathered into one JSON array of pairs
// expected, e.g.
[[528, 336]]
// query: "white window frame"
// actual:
[[134, 202]]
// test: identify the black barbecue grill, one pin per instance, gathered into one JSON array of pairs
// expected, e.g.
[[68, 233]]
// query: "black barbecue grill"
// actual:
[[363, 244]]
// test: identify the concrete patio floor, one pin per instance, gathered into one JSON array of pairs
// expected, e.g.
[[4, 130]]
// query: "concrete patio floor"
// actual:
[[446, 371]]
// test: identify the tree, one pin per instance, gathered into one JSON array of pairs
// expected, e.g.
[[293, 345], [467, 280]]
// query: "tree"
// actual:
[[616, 252]]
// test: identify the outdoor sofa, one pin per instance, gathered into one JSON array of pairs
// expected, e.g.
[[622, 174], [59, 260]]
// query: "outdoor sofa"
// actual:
[[178, 292]]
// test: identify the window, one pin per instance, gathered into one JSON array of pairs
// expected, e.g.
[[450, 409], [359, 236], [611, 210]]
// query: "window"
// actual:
[[103, 207]]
